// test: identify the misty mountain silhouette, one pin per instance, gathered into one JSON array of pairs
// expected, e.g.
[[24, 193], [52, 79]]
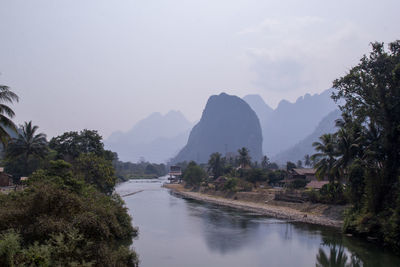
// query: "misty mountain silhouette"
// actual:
[[156, 138], [227, 124], [290, 123], [298, 151]]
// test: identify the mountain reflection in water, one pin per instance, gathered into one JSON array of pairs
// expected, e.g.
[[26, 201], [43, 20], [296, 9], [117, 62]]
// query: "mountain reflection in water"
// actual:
[[179, 232]]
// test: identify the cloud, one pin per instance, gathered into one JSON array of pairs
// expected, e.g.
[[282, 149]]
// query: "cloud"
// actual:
[[302, 52]]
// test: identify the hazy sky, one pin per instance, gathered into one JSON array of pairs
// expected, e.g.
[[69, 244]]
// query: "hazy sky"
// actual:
[[107, 64]]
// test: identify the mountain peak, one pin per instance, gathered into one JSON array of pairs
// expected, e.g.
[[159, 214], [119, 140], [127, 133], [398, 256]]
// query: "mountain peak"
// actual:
[[227, 124]]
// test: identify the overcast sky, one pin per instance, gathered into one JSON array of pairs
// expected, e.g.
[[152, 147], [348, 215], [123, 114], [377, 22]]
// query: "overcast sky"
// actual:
[[107, 64]]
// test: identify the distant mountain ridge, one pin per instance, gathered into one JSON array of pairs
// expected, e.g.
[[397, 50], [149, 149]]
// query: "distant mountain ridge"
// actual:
[[156, 138], [304, 147], [290, 123], [227, 124]]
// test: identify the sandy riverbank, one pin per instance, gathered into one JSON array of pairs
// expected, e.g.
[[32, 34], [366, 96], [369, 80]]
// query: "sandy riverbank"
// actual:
[[307, 213]]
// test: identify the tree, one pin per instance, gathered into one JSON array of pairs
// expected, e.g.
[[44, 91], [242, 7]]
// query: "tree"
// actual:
[[265, 162], [326, 157], [71, 144], [27, 145], [194, 174], [63, 221], [216, 164], [371, 91], [97, 171], [290, 165], [299, 164], [307, 160], [244, 157], [368, 143], [6, 114]]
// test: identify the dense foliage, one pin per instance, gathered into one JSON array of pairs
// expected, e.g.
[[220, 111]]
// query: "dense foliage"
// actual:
[[194, 174], [60, 220], [365, 152], [128, 170], [70, 145], [68, 214]]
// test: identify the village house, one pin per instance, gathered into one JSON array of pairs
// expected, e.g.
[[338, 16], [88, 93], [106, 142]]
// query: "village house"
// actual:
[[175, 174], [302, 173]]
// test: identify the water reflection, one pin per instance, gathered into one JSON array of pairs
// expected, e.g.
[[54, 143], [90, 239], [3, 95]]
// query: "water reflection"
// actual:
[[223, 230], [337, 258], [179, 232]]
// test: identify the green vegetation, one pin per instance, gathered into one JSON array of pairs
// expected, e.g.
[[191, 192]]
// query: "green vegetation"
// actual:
[[141, 170], [216, 164], [24, 153], [365, 151], [67, 213], [60, 220], [6, 114], [233, 174], [194, 174]]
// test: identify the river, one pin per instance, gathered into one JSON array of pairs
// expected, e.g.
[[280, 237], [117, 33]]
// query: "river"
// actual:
[[179, 232]]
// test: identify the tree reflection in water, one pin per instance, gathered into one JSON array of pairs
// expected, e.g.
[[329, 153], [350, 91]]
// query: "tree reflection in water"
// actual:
[[336, 258], [224, 230]]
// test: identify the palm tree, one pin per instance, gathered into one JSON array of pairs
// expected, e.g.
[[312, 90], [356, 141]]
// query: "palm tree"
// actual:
[[244, 157], [307, 160], [326, 158], [265, 162], [216, 164], [6, 113], [337, 258], [28, 144]]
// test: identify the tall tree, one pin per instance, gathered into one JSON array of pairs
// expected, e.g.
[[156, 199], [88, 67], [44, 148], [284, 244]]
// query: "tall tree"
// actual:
[[307, 160], [28, 144], [325, 157], [216, 164], [71, 144], [371, 91], [6, 113], [244, 157], [265, 162]]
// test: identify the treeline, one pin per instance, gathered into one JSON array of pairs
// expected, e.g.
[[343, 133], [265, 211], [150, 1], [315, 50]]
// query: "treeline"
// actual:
[[364, 153], [140, 170], [233, 174], [67, 214]]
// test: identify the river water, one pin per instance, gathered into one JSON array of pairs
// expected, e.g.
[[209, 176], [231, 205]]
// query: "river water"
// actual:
[[178, 232]]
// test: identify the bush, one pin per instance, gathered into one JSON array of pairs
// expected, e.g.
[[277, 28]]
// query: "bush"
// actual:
[[298, 183], [71, 219], [194, 174], [231, 184], [329, 194]]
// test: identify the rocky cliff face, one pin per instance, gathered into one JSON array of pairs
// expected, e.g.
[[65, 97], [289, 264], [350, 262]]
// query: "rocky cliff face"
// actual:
[[227, 124]]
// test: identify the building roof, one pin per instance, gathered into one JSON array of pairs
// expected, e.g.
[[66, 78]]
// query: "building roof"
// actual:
[[304, 171], [316, 184]]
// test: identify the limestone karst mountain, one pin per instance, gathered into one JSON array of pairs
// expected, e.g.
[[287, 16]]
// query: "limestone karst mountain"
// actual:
[[227, 124]]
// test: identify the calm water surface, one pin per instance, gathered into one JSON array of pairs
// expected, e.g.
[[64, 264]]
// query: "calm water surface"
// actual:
[[178, 232]]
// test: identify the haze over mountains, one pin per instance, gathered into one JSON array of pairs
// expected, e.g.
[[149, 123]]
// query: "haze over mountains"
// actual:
[[290, 123], [304, 147], [156, 138], [227, 124]]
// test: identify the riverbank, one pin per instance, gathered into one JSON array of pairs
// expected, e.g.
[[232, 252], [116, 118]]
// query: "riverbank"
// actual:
[[320, 214]]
